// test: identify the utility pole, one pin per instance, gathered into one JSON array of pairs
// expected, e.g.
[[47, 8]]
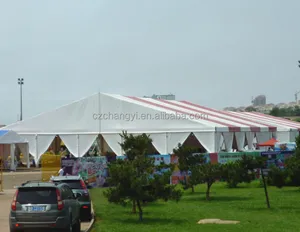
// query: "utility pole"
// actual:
[[21, 83]]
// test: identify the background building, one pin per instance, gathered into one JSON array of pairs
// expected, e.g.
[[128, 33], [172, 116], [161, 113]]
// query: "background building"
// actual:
[[259, 100]]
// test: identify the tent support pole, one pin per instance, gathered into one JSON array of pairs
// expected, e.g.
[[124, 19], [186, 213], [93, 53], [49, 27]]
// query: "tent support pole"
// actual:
[[78, 155], [37, 152], [12, 158], [167, 148], [2, 167], [27, 155]]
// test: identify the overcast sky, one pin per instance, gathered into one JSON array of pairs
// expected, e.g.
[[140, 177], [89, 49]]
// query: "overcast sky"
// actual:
[[215, 53]]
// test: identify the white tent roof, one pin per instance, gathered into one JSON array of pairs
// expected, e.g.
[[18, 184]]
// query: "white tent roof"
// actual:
[[10, 137], [136, 115], [79, 123]]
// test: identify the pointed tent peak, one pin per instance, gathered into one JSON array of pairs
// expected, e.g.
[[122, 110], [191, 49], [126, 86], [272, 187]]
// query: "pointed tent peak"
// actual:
[[270, 143], [11, 126]]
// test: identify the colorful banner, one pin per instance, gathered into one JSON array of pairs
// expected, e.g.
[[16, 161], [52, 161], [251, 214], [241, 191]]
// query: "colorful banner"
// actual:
[[68, 163], [275, 158], [291, 146], [225, 157], [94, 170]]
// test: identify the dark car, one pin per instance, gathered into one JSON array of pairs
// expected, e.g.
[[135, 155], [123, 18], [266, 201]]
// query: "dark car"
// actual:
[[78, 186], [37, 206]]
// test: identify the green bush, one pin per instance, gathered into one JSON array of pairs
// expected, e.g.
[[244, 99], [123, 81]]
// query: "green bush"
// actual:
[[277, 177]]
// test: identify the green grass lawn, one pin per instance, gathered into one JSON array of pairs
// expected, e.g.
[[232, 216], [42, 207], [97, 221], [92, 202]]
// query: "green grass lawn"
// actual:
[[245, 204]]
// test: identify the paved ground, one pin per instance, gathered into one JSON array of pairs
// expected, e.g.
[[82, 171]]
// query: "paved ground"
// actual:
[[10, 180]]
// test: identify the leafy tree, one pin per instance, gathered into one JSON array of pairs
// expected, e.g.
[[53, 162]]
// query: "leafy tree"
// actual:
[[240, 171], [282, 112], [187, 159], [250, 109], [207, 173], [231, 174], [277, 177], [293, 165], [134, 179]]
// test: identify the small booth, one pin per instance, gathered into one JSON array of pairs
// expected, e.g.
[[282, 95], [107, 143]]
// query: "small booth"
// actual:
[[8, 142], [270, 143]]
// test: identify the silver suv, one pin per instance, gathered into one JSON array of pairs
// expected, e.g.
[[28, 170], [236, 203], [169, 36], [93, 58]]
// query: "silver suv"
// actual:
[[39, 205]]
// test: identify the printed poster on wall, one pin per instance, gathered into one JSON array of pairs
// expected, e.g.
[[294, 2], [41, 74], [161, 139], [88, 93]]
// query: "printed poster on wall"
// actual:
[[68, 163], [94, 170], [291, 146], [275, 158], [225, 157]]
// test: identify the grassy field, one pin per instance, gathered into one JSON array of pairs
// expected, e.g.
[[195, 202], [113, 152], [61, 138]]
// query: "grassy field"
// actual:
[[245, 204]]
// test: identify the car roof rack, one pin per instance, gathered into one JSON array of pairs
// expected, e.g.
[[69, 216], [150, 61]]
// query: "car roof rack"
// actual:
[[32, 181]]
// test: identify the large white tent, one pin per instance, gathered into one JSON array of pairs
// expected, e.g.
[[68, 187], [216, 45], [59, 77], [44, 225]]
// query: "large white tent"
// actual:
[[167, 122]]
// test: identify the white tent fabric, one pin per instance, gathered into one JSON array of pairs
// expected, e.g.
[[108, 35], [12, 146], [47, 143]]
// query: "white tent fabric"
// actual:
[[71, 142], [13, 138], [110, 114], [228, 139], [159, 141], [209, 140], [10, 137], [43, 142], [263, 136], [250, 138], [282, 136], [32, 144], [78, 145], [85, 143], [293, 135], [113, 141], [173, 139], [219, 141], [240, 140]]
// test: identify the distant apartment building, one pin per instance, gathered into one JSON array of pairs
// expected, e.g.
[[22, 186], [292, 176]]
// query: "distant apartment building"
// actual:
[[259, 100], [164, 96]]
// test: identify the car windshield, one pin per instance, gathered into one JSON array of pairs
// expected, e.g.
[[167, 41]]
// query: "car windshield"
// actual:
[[73, 184], [37, 196]]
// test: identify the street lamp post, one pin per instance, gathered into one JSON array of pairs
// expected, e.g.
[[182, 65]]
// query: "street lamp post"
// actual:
[[21, 82]]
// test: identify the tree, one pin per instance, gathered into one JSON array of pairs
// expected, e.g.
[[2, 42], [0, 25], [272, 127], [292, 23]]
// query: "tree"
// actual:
[[207, 173], [277, 177], [275, 112], [187, 159], [135, 180], [240, 171], [292, 165], [250, 109]]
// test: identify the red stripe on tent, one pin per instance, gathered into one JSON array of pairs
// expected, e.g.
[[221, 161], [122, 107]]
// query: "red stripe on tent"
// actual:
[[283, 121], [231, 128], [271, 128], [252, 128]]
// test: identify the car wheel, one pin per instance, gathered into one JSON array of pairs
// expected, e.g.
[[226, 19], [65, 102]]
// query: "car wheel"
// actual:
[[77, 226], [70, 229]]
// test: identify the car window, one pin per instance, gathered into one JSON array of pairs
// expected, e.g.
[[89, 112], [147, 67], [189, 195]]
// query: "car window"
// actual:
[[64, 194], [73, 184], [69, 192], [37, 196]]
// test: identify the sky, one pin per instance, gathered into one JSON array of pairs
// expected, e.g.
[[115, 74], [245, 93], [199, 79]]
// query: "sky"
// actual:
[[214, 53]]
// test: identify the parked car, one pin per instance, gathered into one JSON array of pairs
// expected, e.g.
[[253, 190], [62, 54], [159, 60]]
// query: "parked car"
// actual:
[[78, 186], [39, 205]]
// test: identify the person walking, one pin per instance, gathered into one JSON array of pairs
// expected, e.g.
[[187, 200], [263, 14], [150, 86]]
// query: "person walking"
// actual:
[[61, 171]]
